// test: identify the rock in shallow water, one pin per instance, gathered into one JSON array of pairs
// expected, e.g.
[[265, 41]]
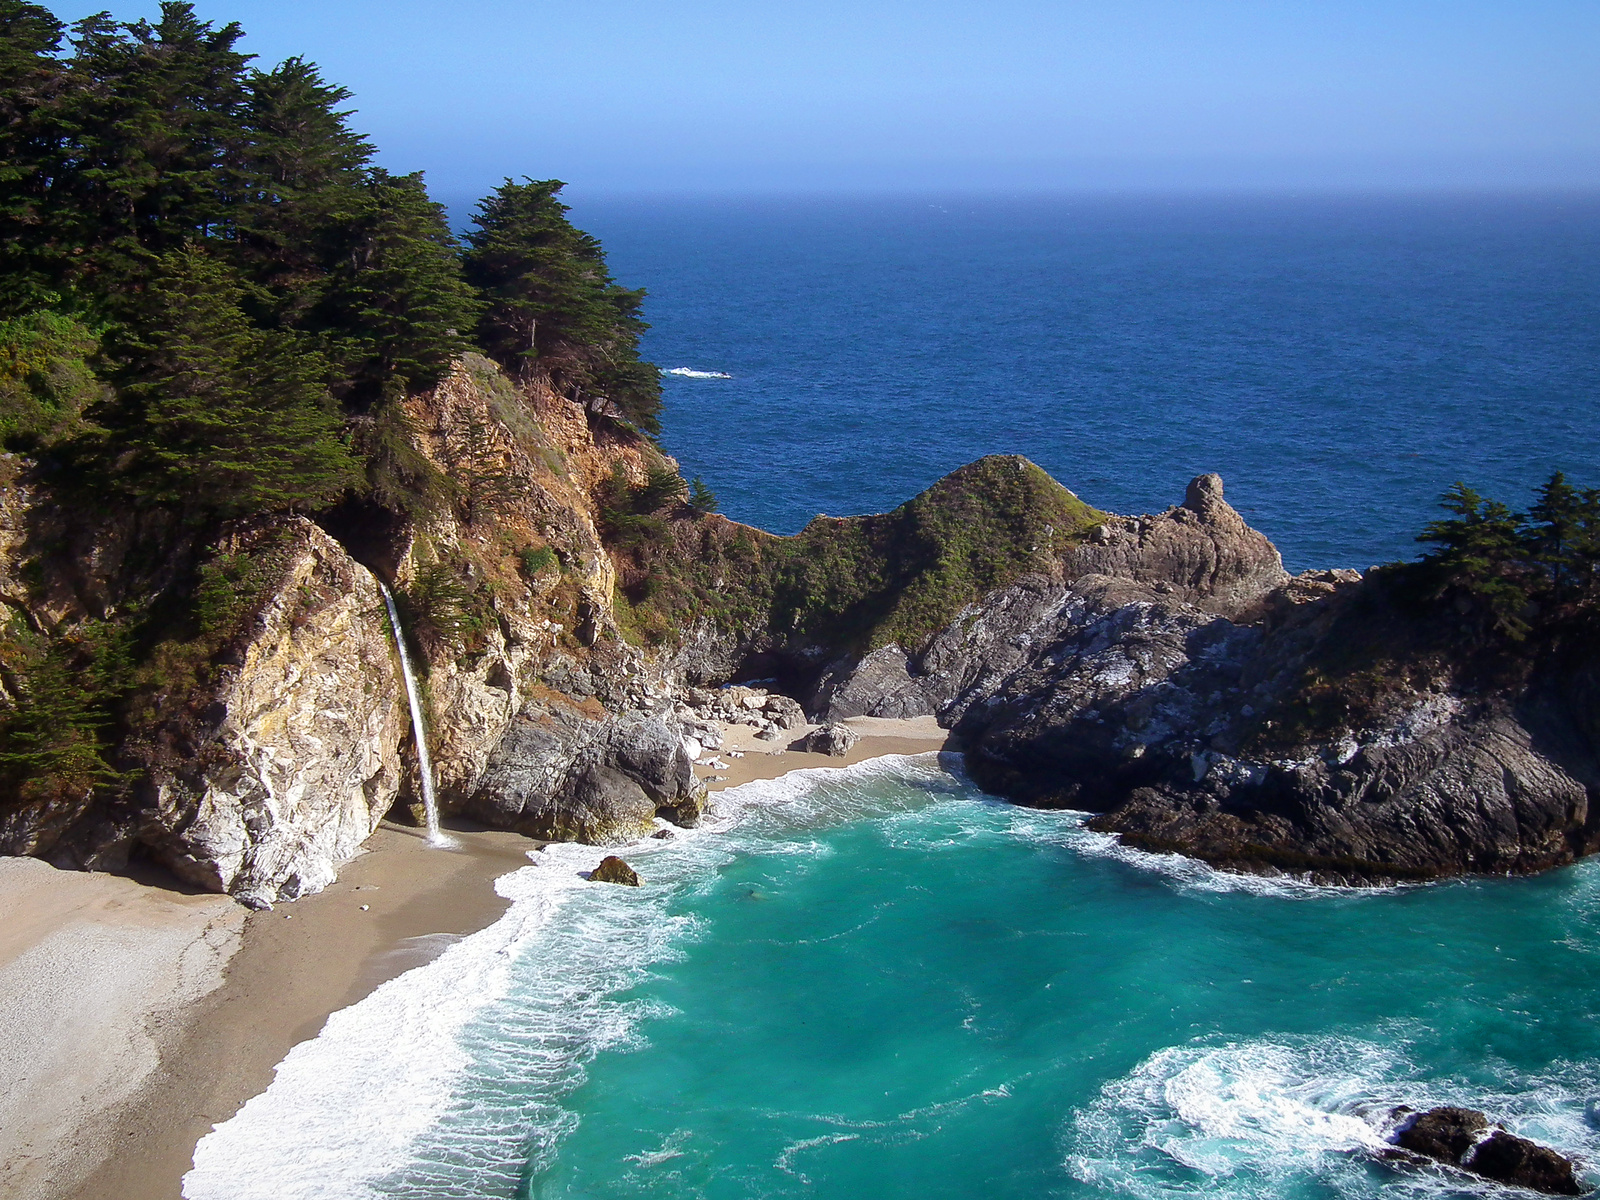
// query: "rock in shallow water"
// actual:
[[613, 870], [1457, 1136]]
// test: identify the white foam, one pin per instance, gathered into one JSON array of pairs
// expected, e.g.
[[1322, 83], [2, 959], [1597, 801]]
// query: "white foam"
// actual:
[[690, 373], [1066, 828], [345, 1106], [1270, 1117], [409, 1093]]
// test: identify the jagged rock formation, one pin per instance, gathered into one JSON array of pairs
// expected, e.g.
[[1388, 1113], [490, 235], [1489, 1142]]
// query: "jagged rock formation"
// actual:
[[1466, 1138], [1162, 671], [1172, 679], [1201, 554], [569, 771], [295, 758]]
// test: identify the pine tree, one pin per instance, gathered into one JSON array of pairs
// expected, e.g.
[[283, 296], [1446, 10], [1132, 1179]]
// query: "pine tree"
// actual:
[[395, 304], [1483, 551], [305, 169], [552, 305], [1564, 535], [152, 118], [30, 83], [220, 417]]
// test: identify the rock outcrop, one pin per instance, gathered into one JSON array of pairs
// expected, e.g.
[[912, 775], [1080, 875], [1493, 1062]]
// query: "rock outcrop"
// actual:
[[296, 757], [1174, 681], [570, 771], [1200, 555], [1190, 731], [1466, 1138], [836, 740], [613, 870]]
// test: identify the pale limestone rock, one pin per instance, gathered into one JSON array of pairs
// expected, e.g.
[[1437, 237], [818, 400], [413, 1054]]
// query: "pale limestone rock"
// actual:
[[302, 760]]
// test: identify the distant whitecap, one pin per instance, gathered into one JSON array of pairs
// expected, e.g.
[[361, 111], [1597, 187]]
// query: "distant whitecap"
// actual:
[[691, 373]]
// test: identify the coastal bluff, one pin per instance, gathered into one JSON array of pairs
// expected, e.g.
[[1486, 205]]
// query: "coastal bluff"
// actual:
[[575, 621]]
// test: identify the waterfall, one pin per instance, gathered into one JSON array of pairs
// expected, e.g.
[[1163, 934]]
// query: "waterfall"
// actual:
[[424, 763]]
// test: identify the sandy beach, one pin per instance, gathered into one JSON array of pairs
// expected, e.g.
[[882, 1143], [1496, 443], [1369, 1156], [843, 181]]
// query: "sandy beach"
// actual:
[[163, 1012]]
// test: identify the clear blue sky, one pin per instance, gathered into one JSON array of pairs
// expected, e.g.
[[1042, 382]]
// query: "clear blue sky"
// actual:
[[1009, 95]]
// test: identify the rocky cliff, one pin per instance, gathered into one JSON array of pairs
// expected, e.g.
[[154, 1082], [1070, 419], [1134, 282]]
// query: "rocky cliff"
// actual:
[[262, 730], [566, 609]]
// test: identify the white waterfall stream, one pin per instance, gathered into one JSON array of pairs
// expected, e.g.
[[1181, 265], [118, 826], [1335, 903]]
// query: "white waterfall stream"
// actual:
[[424, 762]]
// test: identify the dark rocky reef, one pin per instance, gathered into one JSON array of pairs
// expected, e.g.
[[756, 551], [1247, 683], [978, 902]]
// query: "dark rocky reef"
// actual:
[[1466, 1138]]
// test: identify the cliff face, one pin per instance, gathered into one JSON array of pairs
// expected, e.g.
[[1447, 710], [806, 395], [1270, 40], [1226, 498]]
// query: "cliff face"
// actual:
[[266, 731], [1161, 671], [286, 764]]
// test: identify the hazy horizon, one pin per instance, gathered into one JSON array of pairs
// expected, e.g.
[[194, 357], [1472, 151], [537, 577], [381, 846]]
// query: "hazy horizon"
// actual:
[[1151, 97]]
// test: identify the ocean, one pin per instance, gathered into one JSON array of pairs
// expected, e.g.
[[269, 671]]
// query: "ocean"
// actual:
[[1340, 362], [878, 981]]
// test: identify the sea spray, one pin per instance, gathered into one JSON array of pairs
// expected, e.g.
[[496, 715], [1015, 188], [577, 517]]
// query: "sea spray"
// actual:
[[430, 805]]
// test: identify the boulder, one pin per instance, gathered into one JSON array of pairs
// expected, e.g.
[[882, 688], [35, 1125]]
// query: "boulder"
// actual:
[[1465, 1138], [784, 712], [613, 870], [835, 740], [569, 771]]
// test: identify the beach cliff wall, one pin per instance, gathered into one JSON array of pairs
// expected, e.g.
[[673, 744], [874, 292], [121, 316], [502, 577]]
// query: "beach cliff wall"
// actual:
[[568, 608]]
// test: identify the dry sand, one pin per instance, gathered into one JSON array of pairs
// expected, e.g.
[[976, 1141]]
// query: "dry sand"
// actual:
[[129, 992], [768, 760], [95, 971]]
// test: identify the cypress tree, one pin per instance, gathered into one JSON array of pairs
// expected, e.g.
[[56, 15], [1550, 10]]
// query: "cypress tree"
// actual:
[[395, 304], [220, 417], [153, 120], [31, 79], [552, 305]]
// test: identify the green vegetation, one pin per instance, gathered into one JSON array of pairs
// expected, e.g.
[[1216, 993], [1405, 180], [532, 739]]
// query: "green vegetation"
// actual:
[[213, 307], [211, 299], [536, 561], [1499, 591], [552, 306], [54, 740], [46, 382], [1515, 571], [869, 581], [701, 498]]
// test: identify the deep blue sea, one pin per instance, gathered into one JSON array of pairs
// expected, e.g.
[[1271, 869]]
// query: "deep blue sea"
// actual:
[[1339, 361], [878, 982]]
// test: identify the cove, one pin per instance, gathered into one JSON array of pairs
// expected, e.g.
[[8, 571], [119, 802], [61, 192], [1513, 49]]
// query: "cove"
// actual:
[[879, 981]]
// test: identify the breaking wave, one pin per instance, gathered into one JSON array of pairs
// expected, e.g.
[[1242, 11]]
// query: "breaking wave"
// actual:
[[1296, 1117], [447, 1080]]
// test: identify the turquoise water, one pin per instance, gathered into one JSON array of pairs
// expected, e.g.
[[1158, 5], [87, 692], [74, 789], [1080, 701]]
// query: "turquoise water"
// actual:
[[878, 981]]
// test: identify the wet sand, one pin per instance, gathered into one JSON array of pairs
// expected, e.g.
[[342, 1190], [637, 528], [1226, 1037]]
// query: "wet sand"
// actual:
[[294, 966]]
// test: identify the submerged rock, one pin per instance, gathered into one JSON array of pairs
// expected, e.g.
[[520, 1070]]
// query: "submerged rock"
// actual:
[[1466, 1138], [613, 870]]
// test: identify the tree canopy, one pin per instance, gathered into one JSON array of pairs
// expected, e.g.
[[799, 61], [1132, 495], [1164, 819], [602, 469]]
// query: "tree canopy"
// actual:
[[211, 243], [551, 304]]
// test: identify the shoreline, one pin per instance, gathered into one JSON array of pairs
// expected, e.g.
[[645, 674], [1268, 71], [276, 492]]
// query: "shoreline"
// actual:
[[212, 1048]]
